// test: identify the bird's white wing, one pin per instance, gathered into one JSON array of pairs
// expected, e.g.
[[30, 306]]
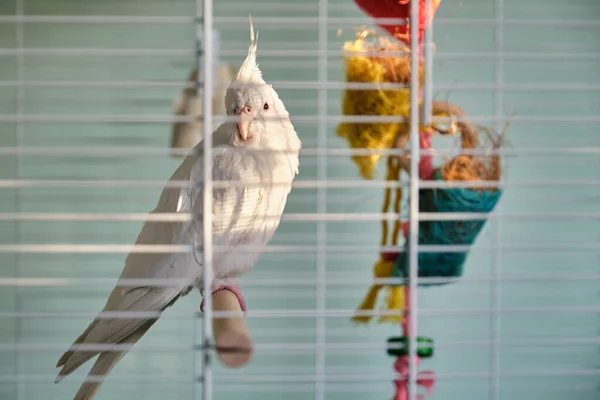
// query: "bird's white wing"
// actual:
[[140, 298], [233, 208]]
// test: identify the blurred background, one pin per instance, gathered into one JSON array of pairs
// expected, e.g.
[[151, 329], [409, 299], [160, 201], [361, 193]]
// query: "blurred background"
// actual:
[[86, 86]]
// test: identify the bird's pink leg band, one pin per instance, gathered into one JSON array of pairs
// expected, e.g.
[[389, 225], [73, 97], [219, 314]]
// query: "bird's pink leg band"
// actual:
[[235, 289]]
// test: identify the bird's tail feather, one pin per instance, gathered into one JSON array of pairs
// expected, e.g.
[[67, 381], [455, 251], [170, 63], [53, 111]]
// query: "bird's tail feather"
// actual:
[[72, 359], [105, 363]]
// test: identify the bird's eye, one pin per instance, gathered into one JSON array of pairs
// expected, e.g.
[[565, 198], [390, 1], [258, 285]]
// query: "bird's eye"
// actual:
[[266, 106]]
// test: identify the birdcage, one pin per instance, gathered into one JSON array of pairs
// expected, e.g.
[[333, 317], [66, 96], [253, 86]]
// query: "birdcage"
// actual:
[[86, 111]]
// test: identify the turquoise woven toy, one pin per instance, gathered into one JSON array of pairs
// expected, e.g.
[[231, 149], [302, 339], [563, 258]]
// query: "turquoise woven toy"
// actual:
[[447, 200]]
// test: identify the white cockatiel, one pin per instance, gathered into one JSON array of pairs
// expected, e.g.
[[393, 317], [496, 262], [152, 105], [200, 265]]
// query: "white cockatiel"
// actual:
[[261, 152]]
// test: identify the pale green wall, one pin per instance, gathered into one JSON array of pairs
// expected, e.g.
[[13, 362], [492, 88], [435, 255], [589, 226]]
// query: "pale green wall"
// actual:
[[455, 358]]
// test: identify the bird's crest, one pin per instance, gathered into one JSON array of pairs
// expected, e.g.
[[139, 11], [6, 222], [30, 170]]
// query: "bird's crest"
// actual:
[[249, 71]]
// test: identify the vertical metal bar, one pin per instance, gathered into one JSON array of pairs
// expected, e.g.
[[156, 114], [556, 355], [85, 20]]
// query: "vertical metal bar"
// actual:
[[205, 68], [414, 198], [497, 260], [321, 234], [194, 371], [428, 64], [19, 139]]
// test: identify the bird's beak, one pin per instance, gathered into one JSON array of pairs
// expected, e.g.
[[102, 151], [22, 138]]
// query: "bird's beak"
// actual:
[[243, 127], [244, 119]]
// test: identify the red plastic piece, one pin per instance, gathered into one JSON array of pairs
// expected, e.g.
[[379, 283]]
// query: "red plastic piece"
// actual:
[[397, 9], [425, 379]]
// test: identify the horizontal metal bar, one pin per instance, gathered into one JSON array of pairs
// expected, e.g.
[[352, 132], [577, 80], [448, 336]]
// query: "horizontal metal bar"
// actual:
[[362, 376], [299, 184], [297, 217], [283, 6], [287, 21], [347, 249], [450, 216], [287, 348], [352, 389], [301, 119], [122, 217], [98, 52], [130, 184], [297, 281], [93, 248], [340, 198], [288, 53], [308, 84], [328, 313], [368, 377], [131, 151]]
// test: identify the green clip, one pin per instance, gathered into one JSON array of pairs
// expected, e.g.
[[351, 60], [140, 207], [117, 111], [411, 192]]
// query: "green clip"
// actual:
[[399, 346]]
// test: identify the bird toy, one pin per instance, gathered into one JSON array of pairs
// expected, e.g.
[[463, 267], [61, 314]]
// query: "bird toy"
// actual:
[[390, 71]]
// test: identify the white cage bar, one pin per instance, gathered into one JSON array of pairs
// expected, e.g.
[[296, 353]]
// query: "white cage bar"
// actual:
[[204, 20]]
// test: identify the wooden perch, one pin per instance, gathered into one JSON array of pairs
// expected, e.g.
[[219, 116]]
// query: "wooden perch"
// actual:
[[231, 334]]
